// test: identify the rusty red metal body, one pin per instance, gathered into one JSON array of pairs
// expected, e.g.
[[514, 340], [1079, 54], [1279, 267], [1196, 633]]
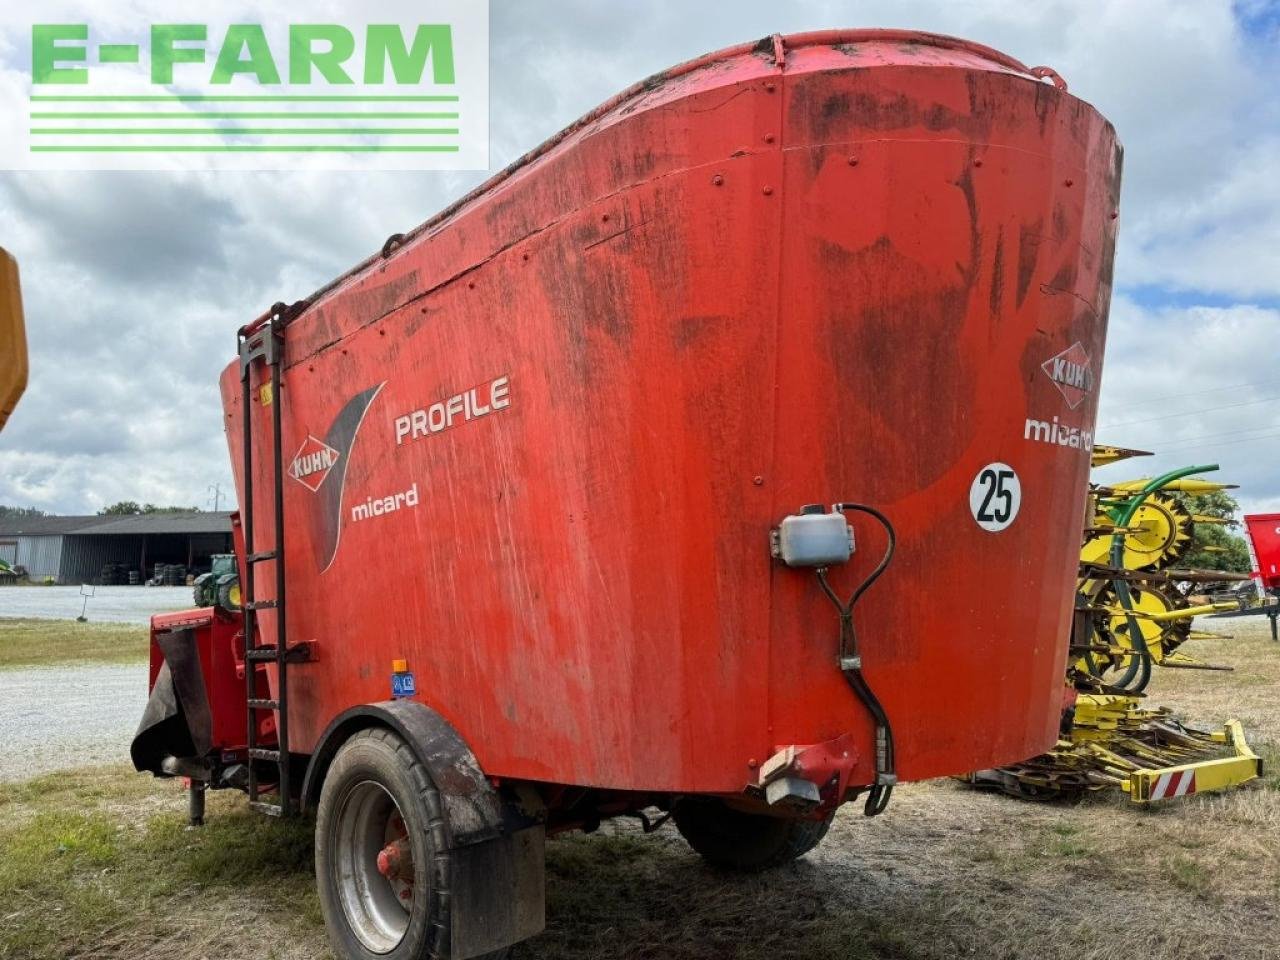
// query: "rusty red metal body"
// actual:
[[218, 647], [541, 442], [1263, 530]]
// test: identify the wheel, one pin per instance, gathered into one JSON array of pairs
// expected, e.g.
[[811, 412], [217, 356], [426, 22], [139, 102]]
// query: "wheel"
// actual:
[[381, 865], [729, 838], [227, 593]]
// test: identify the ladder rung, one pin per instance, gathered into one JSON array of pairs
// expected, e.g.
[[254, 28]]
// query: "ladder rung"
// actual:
[[297, 653], [270, 809], [257, 753], [264, 704], [261, 605], [260, 557]]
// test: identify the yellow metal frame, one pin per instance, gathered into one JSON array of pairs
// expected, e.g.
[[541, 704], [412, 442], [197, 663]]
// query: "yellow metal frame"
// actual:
[[1210, 775], [13, 338]]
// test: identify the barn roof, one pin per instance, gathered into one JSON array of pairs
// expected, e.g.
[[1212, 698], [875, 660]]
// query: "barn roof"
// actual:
[[151, 523]]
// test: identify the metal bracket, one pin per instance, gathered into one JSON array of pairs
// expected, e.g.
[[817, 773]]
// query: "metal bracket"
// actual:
[[267, 343]]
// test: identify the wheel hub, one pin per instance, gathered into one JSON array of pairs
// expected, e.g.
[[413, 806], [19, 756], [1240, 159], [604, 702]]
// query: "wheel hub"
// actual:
[[395, 860], [376, 863]]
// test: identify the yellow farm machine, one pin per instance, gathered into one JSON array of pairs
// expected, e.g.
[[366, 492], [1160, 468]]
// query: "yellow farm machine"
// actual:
[[1134, 613]]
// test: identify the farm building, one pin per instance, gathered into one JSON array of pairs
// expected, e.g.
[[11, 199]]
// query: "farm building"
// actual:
[[77, 549]]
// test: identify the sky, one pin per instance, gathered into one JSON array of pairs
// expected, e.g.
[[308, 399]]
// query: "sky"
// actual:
[[135, 283]]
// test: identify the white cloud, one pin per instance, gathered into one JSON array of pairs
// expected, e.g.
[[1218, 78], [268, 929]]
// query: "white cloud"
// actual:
[[136, 283], [1192, 385]]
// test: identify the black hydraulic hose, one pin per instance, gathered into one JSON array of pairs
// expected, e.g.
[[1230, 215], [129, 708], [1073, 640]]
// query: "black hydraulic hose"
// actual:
[[1141, 657], [851, 664]]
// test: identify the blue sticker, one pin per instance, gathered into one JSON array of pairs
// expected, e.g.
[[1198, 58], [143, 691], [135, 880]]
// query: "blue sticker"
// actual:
[[402, 685]]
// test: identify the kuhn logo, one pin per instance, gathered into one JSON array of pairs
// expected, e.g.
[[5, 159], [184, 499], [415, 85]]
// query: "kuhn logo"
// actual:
[[1072, 373], [312, 463]]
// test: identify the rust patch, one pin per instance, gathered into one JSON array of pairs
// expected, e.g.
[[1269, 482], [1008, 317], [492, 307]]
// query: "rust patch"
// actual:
[[640, 167], [1043, 104], [997, 276], [417, 318], [836, 112], [1060, 225], [872, 325], [687, 331], [1028, 254], [369, 304], [1064, 281], [590, 294], [834, 108], [965, 183], [509, 217]]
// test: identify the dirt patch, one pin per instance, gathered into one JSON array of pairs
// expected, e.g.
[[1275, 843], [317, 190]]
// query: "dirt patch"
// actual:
[[97, 864]]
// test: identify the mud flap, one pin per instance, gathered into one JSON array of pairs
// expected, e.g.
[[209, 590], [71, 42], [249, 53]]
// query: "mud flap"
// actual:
[[176, 722], [498, 892]]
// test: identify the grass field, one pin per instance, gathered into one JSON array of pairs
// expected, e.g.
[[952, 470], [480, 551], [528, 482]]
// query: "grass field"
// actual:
[[31, 643], [97, 864]]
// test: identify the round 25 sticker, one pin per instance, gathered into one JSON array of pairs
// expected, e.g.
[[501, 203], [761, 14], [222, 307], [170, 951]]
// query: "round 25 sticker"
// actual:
[[995, 497]]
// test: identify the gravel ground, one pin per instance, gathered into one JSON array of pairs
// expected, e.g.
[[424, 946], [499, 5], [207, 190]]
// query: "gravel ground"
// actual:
[[52, 718], [108, 604]]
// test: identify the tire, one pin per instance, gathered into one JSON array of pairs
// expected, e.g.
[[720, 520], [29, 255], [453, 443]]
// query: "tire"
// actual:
[[227, 594], [374, 779], [748, 842]]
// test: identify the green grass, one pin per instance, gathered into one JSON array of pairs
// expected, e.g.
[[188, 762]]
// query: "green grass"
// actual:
[[32, 643], [1270, 754], [99, 861], [1190, 875]]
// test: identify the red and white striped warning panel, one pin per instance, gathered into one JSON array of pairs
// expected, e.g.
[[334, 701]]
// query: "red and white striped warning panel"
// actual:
[[1174, 785]]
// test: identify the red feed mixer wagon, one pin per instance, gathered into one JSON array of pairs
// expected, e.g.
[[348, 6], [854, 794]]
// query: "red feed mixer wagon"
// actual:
[[1263, 538], [1262, 535], [567, 504]]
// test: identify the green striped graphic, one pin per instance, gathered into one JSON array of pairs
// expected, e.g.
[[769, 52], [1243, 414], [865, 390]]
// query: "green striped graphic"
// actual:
[[243, 98], [247, 148], [241, 131], [198, 115]]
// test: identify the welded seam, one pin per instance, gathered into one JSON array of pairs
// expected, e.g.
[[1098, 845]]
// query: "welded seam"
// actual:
[[771, 469]]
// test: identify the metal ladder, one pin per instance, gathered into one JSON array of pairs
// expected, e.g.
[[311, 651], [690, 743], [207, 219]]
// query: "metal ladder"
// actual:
[[265, 343]]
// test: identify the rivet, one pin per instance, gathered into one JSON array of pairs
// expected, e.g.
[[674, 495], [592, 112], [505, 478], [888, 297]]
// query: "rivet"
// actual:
[[768, 191], [717, 180], [605, 218], [424, 311], [1068, 182], [771, 86], [1114, 214], [758, 481], [977, 162], [524, 256], [768, 138], [471, 284], [753, 763], [853, 161], [382, 333]]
